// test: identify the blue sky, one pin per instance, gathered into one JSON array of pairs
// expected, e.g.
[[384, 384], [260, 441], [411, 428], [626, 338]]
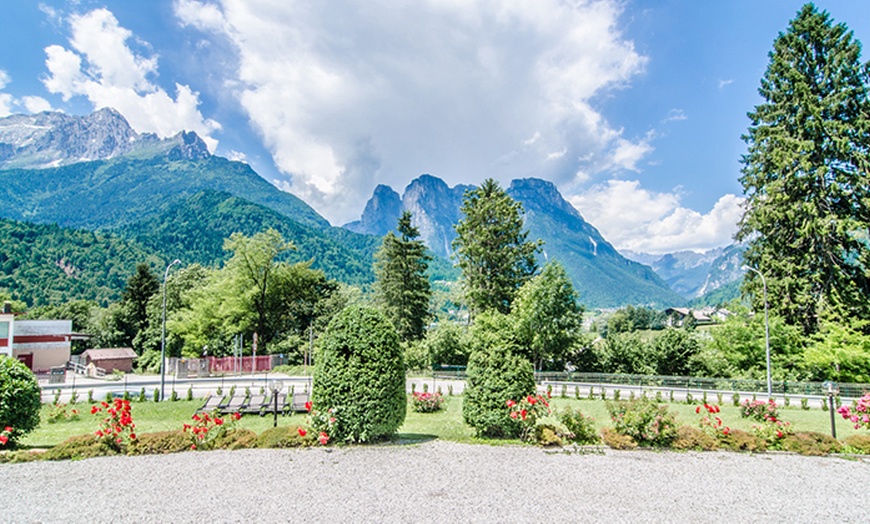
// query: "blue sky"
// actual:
[[633, 108]]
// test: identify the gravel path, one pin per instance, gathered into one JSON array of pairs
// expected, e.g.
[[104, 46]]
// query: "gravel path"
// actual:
[[437, 482]]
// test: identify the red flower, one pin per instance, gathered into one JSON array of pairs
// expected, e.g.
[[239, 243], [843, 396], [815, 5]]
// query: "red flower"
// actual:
[[323, 438], [513, 415], [218, 421], [105, 404], [98, 433], [193, 446], [4, 439], [8, 429], [523, 414], [196, 417], [237, 415], [94, 409], [301, 432], [697, 410], [132, 436], [779, 434], [726, 431], [511, 403], [308, 406], [531, 400]]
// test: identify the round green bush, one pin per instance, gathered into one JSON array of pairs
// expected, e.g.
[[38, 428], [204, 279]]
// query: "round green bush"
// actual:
[[20, 398], [359, 374], [494, 376]]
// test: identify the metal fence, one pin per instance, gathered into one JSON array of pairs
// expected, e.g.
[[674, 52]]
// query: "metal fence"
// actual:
[[779, 387]]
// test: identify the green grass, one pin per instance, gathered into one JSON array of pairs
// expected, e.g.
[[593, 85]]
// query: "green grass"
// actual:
[[446, 424]]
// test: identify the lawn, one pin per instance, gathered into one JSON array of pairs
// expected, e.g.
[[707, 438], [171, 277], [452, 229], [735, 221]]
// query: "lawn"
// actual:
[[446, 424]]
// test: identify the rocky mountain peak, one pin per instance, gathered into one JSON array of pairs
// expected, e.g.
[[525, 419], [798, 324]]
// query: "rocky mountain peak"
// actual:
[[52, 139], [381, 213]]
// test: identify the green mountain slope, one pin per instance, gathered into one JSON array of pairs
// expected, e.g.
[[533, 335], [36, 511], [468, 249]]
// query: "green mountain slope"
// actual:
[[111, 193], [193, 230], [43, 264]]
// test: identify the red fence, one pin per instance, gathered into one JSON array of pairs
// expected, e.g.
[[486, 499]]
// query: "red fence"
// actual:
[[228, 365]]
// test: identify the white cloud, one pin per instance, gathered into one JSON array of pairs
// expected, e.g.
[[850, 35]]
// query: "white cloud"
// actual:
[[347, 95], [102, 67], [631, 217], [724, 83], [35, 104], [675, 115]]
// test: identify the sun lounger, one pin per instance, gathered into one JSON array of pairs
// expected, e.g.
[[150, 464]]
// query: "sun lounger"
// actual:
[[236, 403], [212, 402], [297, 404], [257, 404]]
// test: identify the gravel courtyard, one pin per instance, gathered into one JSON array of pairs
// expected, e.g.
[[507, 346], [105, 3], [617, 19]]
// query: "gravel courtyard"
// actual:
[[437, 482]]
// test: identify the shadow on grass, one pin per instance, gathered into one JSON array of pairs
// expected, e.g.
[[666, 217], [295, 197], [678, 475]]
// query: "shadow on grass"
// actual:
[[412, 438]]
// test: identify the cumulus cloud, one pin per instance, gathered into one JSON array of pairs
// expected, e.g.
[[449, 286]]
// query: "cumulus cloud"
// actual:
[[631, 217], [35, 104], [347, 95], [9, 104], [101, 66]]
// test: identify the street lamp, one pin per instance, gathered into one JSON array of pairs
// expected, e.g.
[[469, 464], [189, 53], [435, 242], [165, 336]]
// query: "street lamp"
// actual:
[[833, 390], [276, 386], [766, 329], [163, 334]]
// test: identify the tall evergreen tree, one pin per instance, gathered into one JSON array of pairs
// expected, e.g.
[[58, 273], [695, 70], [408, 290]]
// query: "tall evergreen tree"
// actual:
[[140, 288], [402, 285], [491, 248], [806, 174]]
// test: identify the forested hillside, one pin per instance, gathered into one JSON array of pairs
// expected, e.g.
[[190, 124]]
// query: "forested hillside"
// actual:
[[49, 264]]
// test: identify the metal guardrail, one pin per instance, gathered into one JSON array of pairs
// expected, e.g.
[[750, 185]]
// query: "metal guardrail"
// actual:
[[781, 387]]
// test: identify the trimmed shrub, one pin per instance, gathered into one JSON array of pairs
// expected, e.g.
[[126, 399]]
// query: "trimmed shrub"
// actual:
[[811, 443], [495, 375], [79, 447], [238, 438], [360, 376], [160, 442], [740, 440], [616, 440], [20, 398], [284, 437], [581, 426], [859, 443], [694, 438], [644, 421]]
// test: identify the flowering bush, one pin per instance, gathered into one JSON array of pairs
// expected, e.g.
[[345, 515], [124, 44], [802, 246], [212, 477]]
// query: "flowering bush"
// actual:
[[58, 413], [759, 410], [859, 413], [426, 402], [5, 434], [527, 412], [710, 422], [208, 427], [116, 428], [324, 423], [582, 427], [772, 432], [644, 421]]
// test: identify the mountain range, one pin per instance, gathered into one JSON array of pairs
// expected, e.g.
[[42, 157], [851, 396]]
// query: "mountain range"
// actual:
[[170, 197]]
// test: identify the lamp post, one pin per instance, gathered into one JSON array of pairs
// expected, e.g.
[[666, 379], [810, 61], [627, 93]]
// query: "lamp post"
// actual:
[[276, 386], [766, 329], [163, 334], [833, 390]]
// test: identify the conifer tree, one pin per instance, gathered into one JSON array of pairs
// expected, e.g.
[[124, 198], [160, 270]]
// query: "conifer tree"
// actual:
[[491, 248], [402, 286], [805, 175]]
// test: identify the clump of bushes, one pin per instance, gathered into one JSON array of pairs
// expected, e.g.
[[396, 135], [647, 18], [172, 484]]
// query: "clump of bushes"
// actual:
[[695, 439], [617, 440], [20, 399], [360, 375], [284, 437], [647, 423], [581, 427], [811, 443], [161, 442]]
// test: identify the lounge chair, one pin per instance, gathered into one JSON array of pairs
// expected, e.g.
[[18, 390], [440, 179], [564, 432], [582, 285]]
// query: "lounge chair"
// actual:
[[258, 404], [212, 402], [236, 403], [297, 404]]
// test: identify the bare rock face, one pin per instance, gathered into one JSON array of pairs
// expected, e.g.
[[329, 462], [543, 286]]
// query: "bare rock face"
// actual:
[[52, 139], [435, 210], [381, 214]]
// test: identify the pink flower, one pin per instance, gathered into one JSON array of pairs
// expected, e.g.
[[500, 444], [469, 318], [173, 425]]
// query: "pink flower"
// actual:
[[511, 403], [323, 438], [513, 415]]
